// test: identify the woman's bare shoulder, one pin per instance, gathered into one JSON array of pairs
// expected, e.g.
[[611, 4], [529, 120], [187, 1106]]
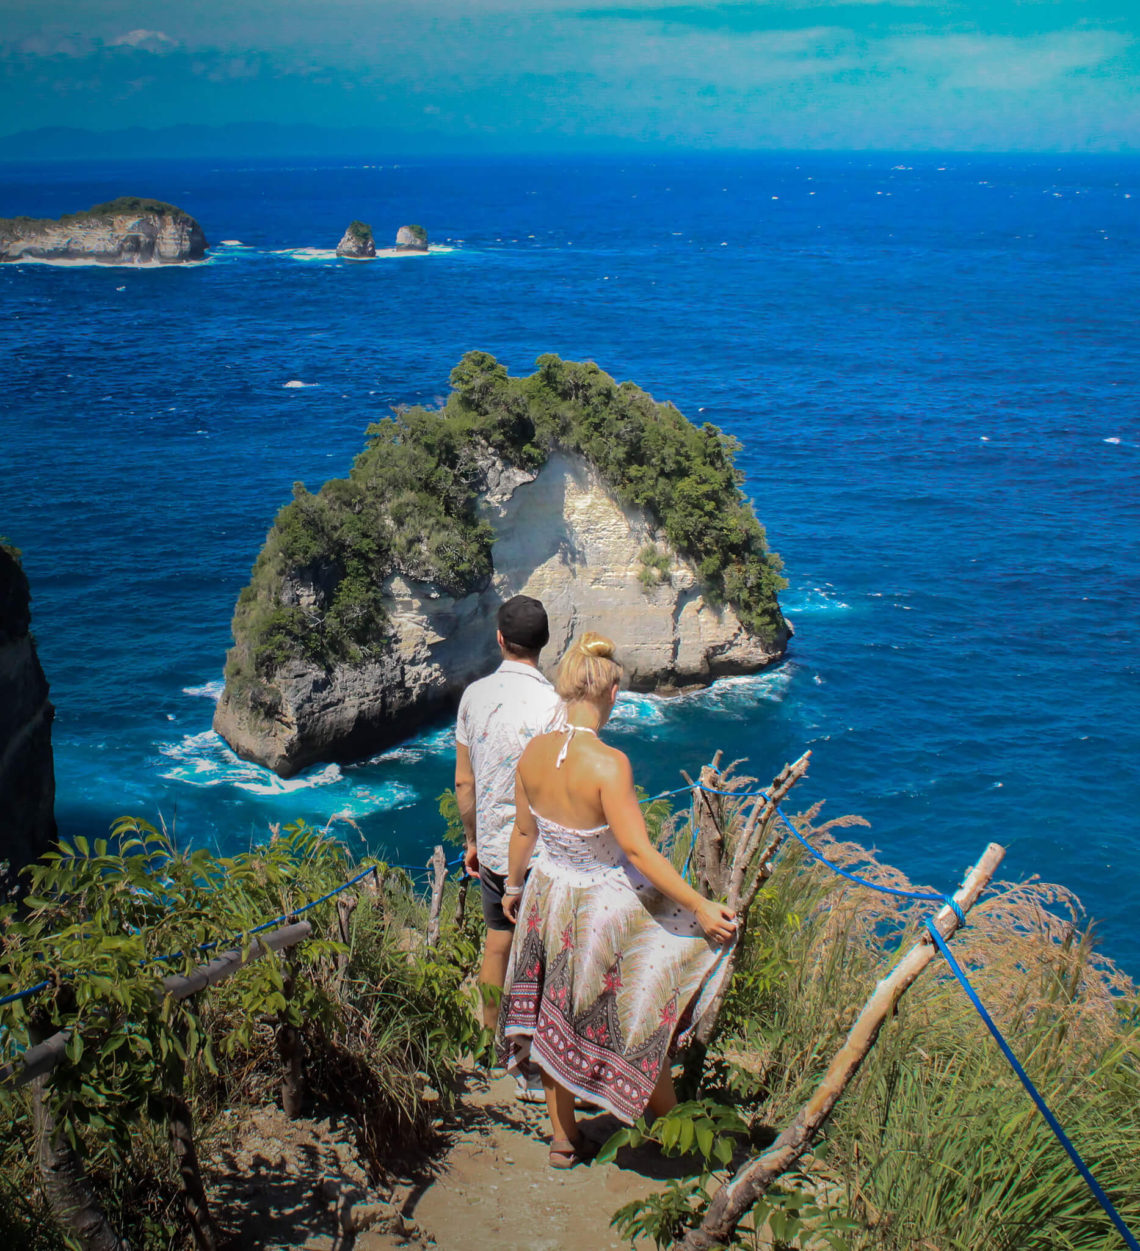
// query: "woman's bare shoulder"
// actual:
[[612, 764]]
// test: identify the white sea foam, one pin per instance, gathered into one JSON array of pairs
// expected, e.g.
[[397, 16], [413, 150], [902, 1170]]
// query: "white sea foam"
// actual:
[[208, 690], [729, 695], [634, 708], [814, 601], [295, 384], [1112, 440], [734, 694], [306, 254], [76, 263], [233, 243], [206, 760], [432, 743]]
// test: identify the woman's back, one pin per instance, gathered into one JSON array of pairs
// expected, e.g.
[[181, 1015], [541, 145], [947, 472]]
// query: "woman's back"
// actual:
[[569, 791]]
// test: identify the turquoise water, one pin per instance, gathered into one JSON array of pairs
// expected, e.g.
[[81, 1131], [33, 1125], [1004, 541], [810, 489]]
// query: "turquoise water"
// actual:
[[931, 363]]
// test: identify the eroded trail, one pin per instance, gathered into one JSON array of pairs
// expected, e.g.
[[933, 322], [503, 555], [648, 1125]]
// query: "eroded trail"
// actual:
[[291, 1184]]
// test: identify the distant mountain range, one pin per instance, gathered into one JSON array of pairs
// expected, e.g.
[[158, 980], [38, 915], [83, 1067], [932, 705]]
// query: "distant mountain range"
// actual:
[[242, 139]]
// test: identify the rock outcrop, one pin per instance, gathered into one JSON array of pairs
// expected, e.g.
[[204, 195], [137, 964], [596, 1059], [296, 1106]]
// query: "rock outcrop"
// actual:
[[357, 243], [411, 239], [127, 231], [27, 775], [561, 536]]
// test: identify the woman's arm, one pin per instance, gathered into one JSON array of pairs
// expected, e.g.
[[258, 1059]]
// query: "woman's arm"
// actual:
[[524, 836], [623, 814]]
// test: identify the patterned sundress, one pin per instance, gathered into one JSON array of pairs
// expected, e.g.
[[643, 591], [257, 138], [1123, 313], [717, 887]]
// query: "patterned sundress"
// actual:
[[606, 974]]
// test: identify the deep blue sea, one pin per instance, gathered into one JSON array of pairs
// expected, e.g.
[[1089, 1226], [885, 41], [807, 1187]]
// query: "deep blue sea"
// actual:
[[932, 364]]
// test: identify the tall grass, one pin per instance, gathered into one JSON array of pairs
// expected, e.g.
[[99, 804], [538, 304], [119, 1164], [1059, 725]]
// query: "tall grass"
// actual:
[[936, 1143]]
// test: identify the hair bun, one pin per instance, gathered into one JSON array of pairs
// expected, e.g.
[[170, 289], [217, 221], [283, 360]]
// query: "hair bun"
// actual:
[[596, 645]]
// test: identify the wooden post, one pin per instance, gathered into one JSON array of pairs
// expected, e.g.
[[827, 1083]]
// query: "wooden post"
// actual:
[[345, 907], [438, 865], [461, 902], [708, 844], [66, 1187], [289, 1049], [738, 1196], [180, 1127]]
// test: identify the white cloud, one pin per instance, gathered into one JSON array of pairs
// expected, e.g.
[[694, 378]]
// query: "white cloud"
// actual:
[[1001, 62], [145, 41]]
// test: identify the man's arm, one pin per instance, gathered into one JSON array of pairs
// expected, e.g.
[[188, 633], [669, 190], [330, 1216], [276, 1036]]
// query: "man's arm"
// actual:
[[465, 796]]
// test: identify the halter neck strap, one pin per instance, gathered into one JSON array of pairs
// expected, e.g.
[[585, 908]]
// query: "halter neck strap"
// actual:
[[571, 731]]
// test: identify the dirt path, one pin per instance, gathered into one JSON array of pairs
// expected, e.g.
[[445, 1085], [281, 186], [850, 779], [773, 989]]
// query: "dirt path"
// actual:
[[490, 1190]]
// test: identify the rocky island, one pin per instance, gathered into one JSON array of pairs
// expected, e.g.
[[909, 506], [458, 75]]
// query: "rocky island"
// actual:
[[357, 243], [411, 239], [372, 603], [126, 231], [27, 773]]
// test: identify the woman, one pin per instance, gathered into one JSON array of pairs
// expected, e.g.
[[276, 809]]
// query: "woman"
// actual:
[[616, 955]]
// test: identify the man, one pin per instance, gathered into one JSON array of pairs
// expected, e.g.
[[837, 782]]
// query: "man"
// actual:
[[498, 716]]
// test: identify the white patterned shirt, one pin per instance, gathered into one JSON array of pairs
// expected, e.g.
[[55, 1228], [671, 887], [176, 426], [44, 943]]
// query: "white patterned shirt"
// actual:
[[498, 716]]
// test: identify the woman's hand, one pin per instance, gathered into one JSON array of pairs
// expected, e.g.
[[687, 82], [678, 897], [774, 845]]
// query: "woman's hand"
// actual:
[[511, 908], [717, 921]]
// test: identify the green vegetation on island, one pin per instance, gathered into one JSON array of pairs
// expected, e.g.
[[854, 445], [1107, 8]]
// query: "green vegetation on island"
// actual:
[[409, 507], [125, 204], [360, 231]]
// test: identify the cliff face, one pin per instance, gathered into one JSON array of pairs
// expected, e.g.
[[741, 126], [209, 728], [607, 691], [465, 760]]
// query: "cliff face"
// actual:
[[27, 775], [411, 239], [561, 536], [357, 242], [122, 232]]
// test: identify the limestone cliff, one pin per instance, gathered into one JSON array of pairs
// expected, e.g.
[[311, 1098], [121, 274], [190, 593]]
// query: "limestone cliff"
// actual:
[[411, 239], [373, 603], [127, 231], [357, 243], [27, 776]]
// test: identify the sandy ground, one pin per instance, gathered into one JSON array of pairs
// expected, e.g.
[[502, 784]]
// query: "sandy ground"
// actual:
[[490, 1188]]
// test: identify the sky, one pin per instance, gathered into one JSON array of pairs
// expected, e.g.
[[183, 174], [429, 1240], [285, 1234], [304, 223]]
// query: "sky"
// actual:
[[534, 75]]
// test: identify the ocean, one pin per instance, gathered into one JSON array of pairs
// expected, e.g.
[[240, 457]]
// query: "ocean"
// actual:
[[931, 363]]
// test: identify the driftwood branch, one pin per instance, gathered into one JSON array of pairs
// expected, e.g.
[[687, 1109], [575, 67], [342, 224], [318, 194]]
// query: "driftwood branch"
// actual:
[[747, 875], [738, 1196], [438, 865], [44, 1056], [764, 813]]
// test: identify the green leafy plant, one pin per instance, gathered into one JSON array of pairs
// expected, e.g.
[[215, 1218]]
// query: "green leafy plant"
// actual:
[[106, 920]]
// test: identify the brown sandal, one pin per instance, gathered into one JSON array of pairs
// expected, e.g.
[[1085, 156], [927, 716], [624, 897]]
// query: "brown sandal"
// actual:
[[567, 1154]]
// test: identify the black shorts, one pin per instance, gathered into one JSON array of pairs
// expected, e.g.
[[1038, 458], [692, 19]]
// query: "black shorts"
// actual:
[[492, 892]]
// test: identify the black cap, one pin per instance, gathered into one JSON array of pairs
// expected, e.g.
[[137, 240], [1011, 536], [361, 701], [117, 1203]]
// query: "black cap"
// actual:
[[523, 623]]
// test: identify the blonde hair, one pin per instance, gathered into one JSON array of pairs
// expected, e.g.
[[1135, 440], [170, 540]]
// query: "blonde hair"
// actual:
[[587, 670]]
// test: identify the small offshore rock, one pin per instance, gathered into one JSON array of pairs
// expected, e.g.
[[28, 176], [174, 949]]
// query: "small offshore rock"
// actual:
[[411, 239], [357, 242]]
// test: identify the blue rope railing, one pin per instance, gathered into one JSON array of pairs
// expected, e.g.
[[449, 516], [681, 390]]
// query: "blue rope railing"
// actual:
[[29, 991], [1050, 1120]]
